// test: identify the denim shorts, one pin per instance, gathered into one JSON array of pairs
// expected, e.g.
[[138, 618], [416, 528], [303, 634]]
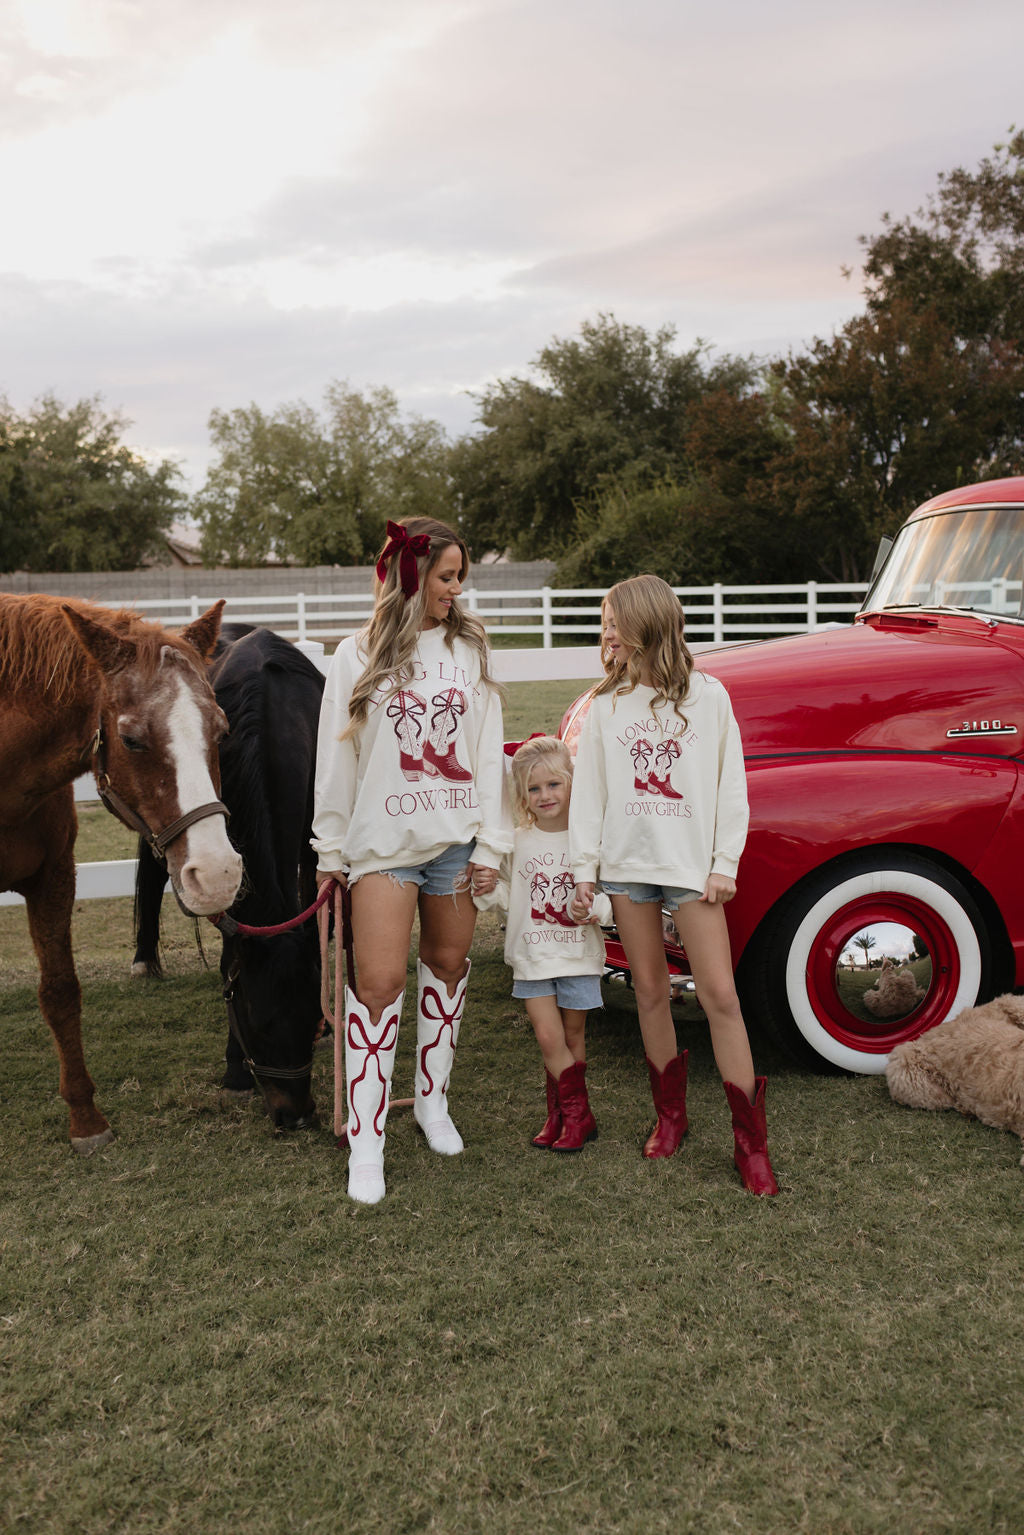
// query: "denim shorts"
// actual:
[[578, 992], [671, 896], [441, 875]]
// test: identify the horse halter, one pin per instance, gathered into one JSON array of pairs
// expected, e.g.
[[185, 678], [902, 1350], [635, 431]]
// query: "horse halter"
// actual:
[[159, 841]]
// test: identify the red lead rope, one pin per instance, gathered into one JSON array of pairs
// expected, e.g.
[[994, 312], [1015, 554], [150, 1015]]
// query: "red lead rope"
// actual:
[[228, 925]]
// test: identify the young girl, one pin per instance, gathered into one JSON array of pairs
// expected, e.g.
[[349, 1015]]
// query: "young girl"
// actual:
[[409, 810], [660, 812], [556, 961]]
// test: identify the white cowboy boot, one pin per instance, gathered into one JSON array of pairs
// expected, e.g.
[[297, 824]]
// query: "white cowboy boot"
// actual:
[[369, 1063], [437, 1033]]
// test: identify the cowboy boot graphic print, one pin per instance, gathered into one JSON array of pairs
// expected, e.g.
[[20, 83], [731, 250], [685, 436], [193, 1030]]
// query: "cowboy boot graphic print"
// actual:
[[439, 759], [562, 888], [538, 898], [407, 710], [667, 753], [641, 752]]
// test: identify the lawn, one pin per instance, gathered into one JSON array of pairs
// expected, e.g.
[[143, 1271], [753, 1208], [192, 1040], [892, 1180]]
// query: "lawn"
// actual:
[[200, 1331]]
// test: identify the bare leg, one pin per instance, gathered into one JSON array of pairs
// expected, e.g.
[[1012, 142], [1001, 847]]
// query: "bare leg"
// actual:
[[447, 924], [544, 1014], [382, 913], [705, 937], [574, 1022], [641, 934]]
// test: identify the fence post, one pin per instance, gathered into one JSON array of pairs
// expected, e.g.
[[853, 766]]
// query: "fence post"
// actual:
[[195, 607], [718, 613], [300, 614], [472, 599], [545, 608], [812, 605]]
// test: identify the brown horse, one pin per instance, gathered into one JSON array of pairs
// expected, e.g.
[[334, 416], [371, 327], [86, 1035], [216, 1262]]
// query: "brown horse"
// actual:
[[85, 687]]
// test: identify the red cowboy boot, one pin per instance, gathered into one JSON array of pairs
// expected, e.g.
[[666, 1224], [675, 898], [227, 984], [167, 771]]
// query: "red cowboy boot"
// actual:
[[439, 759], [668, 1089], [750, 1134], [578, 1123], [406, 709], [640, 752], [553, 1124]]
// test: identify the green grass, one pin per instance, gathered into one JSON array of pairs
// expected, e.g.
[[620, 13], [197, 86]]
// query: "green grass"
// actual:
[[200, 1332]]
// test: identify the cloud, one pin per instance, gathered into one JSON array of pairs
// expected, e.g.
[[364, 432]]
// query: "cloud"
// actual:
[[216, 203]]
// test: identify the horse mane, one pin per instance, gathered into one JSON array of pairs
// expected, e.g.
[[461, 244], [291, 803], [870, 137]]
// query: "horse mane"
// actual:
[[259, 750], [40, 654]]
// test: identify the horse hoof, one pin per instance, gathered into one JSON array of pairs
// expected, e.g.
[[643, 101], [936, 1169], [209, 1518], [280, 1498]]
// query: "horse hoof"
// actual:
[[85, 1145], [146, 970]]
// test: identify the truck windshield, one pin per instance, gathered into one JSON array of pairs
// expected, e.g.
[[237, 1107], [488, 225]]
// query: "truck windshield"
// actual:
[[971, 557]]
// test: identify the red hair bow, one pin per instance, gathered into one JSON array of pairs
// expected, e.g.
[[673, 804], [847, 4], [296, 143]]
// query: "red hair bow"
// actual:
[[408, 549]]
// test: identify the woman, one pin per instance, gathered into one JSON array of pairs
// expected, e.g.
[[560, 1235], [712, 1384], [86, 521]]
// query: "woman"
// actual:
[[410, 812]]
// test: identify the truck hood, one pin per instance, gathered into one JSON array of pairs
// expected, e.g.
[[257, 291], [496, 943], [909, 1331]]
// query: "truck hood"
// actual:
[[893, 681]]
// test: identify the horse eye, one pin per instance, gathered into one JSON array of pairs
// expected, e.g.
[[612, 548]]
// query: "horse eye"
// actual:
[[133, 744]]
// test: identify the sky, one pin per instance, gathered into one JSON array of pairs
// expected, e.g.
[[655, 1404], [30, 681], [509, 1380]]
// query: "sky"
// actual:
[[217, 202]]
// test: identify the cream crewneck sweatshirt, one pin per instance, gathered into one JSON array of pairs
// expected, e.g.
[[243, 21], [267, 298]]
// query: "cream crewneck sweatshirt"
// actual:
[[425, 772], [658, 799]]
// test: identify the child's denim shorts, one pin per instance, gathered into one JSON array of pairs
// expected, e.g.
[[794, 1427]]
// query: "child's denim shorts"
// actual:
[[579, 993], [443, 875], [671, 896]]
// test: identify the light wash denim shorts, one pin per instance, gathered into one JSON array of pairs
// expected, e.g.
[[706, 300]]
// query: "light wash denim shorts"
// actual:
[[671, 896], [579, 993], [443, 875]]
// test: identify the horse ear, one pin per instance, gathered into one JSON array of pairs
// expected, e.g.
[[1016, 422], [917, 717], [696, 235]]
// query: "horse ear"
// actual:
[[202, 635], [111, 651]]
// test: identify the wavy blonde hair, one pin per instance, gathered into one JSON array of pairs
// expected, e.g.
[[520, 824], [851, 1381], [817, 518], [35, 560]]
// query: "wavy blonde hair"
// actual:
[[389, 638], [550, 751], [649, 621]]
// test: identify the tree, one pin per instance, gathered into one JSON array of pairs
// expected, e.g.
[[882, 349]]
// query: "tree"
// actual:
[[866, 942], [73, 496], [926, 389], [607, 406], [318, 489]]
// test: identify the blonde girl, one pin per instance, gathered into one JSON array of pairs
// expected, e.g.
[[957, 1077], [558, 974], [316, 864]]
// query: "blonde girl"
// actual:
[[660, 814], [556, 959], [409, 811]]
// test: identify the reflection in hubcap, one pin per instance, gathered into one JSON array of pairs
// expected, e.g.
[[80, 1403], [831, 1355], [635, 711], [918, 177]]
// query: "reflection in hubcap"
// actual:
[[874, 986]]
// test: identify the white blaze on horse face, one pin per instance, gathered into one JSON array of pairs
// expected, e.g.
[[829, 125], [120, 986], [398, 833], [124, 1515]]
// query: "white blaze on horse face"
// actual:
[[202, 863]]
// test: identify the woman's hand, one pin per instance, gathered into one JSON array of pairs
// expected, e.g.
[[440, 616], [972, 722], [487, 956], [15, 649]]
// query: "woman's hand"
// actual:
[[482, 879], [582, 903], [323, 875], [719, 889]]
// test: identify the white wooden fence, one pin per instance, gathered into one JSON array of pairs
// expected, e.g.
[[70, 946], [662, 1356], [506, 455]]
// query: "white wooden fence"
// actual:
[[713, 613]]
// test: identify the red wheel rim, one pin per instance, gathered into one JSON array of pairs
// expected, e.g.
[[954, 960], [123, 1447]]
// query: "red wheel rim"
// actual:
[[832, 940]]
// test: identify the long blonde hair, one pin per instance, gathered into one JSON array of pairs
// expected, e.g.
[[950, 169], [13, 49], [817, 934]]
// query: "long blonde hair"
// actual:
[[550, 751], [649, 622], [389, 638]]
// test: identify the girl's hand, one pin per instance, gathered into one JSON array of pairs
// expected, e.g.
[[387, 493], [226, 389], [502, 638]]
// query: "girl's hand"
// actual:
[[582, 902], [719, 889], [482, 880], [323, 875]]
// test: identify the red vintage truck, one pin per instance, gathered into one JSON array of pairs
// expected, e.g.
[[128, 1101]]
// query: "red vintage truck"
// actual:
[[887, 802]]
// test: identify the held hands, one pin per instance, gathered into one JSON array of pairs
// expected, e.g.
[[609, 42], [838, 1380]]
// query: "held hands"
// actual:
[[719, 889], [581, 905], [482, 880]]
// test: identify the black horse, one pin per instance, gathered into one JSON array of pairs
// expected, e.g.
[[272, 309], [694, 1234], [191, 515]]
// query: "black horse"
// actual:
[[270, 693]]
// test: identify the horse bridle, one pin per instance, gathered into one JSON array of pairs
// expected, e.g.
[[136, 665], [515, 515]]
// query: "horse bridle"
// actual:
[[286, 1073], [159, 841]]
